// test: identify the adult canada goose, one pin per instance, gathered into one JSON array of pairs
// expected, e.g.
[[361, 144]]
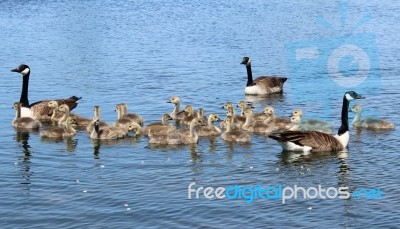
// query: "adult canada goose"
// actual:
[[96, 116], [263, 85], [178, 136], [312, 124], [24, 122], [176, 114], [189, 115], [107, 132], [160, 128], [231, 135], [80, 121], [369, 123], [133, 117], [61, 132], [315, 141], [210, 129], [38, 110]]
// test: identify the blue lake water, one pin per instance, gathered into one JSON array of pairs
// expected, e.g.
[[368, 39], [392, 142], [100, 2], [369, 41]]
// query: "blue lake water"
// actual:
[[143, 52]]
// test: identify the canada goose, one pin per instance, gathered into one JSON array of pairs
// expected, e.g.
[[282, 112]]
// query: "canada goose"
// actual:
[[266, 115], [38, 110], [231, 135], [162, 127], [133, 117], [179, 136], [242, 105], [56, 115], [61, 132], [270, 112], [189, 115], [81, 122], [122, 121], [263, 85], [200, 115], [210, 129], [227, 105], [107, 132], [96, 116], [291, 125], [24, 122], [136, 128], [318, 141], [237, 121], [312, 124], [369, 123], [61, 113], [252, 125], [176, 114]]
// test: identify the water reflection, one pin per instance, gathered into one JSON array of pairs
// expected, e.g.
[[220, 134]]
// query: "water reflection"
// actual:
[[266, 99], [70, 143], [98, 143], [288, 157], [25, 160]]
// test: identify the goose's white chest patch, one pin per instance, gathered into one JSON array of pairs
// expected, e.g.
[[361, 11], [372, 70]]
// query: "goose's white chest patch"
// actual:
[[254, 90], [343, 139], [26, 112]]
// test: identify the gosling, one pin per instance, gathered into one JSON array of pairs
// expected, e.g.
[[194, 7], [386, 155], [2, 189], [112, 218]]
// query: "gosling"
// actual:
[[96, 116], [230, 135], [107, 132], [61, 132], [210, 129], [179, 136], [176, 114], [369, 123], [159, 128], [133, 117], [24, 122]]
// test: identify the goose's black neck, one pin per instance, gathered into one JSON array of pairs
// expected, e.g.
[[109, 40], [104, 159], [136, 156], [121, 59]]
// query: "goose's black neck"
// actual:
[[24, 93], [249, 75], [345, 117]]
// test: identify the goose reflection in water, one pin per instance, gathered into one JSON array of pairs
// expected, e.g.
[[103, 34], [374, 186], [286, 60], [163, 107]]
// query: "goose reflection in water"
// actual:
[[98, 143], [24, 161], [70, 143]]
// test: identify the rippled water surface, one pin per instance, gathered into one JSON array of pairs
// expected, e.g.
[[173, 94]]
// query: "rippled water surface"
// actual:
[[143, 52]]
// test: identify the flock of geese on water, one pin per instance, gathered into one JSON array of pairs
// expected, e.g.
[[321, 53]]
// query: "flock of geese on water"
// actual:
[[294, 134]]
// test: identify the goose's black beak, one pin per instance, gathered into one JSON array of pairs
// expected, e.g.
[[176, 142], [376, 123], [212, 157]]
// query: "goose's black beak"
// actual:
[[169, 102], [360, 97], [15, 70]]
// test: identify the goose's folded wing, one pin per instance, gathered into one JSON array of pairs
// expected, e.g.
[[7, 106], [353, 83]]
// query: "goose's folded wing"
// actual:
[[318, 141]]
